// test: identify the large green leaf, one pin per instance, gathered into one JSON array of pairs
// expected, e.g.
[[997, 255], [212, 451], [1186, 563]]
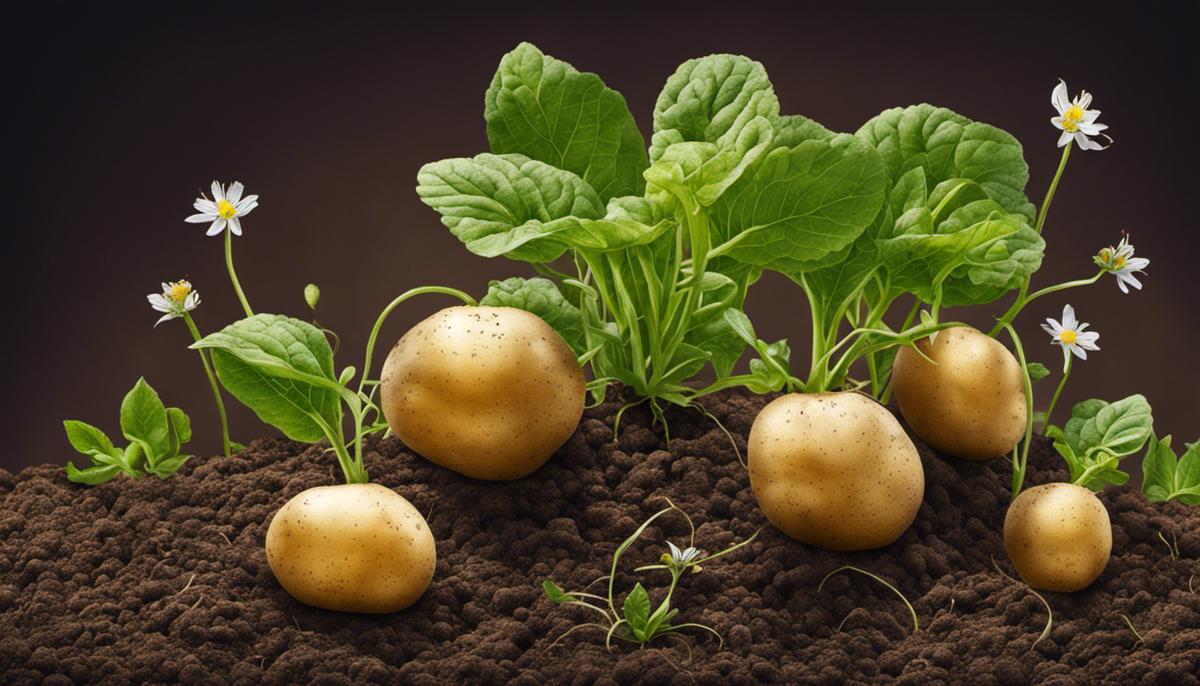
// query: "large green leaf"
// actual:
[[144, 421], [541, 297], [87, 439], [801, 204], [543, 108], [282, 369], [507, 204], [710, 100], [1099, 434], [946, 145]]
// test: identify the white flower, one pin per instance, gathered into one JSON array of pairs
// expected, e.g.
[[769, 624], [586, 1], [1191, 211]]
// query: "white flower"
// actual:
[[681, 557], [176, 298], [1121, 263], [225, 209], [1075, 119], [1071, 335]]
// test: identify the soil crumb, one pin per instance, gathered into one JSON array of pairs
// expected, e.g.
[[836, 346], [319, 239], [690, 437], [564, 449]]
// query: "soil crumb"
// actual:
[[159, 581]]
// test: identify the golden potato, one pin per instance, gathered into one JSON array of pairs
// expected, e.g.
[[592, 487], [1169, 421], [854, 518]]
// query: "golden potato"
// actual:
[[835, 470], [354, 547], [1058, 537], [971, 403], [489, 392]]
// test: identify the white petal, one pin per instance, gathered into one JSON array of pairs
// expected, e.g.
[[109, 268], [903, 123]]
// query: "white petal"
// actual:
[[1086, 143], [1137, 264], [218, 191], [248, 203], [1066, 358], [1058, 122], [1091, 129], [1079, 352], [235, 192], [158, 302], [1069, 321], [1064, 138], [200, 218], [216, 228], [1127, 278], [1058, 97], [1052, 327], [235, 226], [1085, 99], [164, 318], [1090, 116]]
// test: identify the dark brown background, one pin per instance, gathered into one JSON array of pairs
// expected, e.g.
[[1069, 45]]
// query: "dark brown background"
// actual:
[[124, 115]]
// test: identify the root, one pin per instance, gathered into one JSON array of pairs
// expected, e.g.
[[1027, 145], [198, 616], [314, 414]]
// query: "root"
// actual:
[[1173, 546], [222, 534], [578, 626], [193, 607], [736, 450], [189, 585], [1190, 579], [912, 611], [1039, 596], [1133, 629], [620, 413]]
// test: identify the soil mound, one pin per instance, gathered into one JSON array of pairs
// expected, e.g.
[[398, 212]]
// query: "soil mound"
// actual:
[[167, 581]]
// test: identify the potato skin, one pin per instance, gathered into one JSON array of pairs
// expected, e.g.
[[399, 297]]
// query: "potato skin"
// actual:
[[1058, 537], [971, 404], [835, 470], [489, 392], [353, 548]]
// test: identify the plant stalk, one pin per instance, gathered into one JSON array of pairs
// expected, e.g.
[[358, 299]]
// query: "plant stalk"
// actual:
[[1058, 391], [237, 285], [212, 381]]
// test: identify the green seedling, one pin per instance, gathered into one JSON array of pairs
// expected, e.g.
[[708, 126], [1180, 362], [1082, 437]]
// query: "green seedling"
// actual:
[[849, 568], [155, 434], [637, 621]]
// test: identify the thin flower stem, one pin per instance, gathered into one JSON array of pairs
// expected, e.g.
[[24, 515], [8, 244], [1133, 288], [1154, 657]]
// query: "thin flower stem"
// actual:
[[1062, 165], [1021, 460], [237, 285], [1058, 391], [212, 381]]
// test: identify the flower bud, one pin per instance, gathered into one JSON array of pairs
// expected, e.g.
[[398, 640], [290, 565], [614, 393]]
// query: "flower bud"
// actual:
[[312, 294]]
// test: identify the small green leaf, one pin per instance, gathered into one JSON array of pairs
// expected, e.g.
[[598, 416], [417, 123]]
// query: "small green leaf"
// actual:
[[282, 369], [169, 466], [541, 297], [1037, 371], [555, 593], [86, 438], [637, 611], [1166, 478], [144, 421], [740, 323], [92, 475], [543, 108], [1099, 434]]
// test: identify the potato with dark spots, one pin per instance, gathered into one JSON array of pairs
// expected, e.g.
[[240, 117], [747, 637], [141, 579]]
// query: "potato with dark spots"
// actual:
[[969, 401], [835, 470], [353, 548], [1058, 537], [489, 392]]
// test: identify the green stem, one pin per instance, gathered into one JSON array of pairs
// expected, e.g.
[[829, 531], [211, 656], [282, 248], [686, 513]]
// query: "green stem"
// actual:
[[1021, 462], [1058, 391], [1062, 165], [212, 381], [1024, 299], [237, 285]]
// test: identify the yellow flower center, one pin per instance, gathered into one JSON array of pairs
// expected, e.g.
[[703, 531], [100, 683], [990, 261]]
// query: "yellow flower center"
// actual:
[[1068, 336], [1071, 118], [226, 209], [1119, 262], [179, 291], [1106, 254]]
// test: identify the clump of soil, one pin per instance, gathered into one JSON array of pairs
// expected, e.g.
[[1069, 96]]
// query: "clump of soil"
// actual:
[[165, 581]]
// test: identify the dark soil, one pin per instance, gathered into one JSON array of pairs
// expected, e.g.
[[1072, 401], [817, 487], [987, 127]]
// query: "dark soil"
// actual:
[[165, 581]]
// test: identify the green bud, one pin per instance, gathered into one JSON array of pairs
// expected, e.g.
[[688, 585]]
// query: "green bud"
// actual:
[[311, 295]]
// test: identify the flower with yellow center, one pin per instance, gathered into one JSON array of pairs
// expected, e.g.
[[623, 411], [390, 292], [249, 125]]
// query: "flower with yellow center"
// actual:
[[226, 208], [1072, 335], [177, 298], [1075, 119], [1121, 263]]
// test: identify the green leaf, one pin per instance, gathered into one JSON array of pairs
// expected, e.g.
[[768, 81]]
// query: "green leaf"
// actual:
[[637, 611], [169, 466], [144, 421], [946, 145], [991, 269], [555, 593], [1167, 478], [541, 297], [1099, 434], [544, 109], [1037, 371], [801, 204], [86, 438], [507, 204], [181, 430], [282, 369], [91, 475], [710, 100]]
